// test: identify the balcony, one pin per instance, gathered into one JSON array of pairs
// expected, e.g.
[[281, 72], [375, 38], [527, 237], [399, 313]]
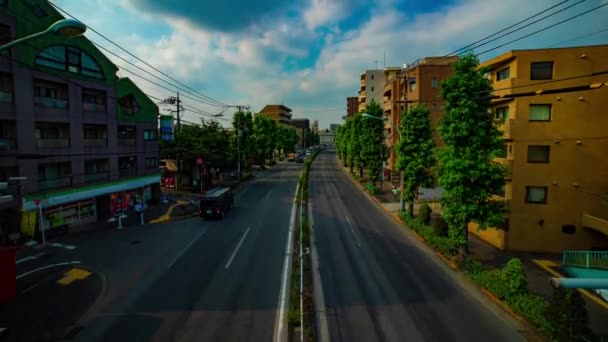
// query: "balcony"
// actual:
[[95, 142], [388, 88], [93, 107], [127, 141], [8, 144], [507, 129], [130, 172], [53, 143], [362, 87], [63, 182], [50, 102], [96, 177]]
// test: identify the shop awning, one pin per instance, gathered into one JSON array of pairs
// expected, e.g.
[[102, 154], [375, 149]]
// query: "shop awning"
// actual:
[[170, 165]]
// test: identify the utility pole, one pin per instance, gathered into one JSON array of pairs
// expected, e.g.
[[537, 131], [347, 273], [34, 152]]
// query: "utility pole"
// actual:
[[174, 100], [404, 77], [239, 132]]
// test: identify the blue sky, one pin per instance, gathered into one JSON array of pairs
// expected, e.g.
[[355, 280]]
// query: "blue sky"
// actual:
[[308, 54]]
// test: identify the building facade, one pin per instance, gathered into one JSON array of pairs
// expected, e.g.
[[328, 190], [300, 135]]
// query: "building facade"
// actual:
[[556, 149], [80, 142], [302, 127], [333, 127], [371, 88], [352, 106], [393, 108], [279, 113], [424, 78], [328, 137]]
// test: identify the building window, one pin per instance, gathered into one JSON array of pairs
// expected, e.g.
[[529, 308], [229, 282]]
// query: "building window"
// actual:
[[150, 135], [372, 76], [5, 37], [54, 171], [503, 74], [540, 112], [3, 3], [541, 71], [95, 132], [129, 104], [151, 163], [6, 88], [434, 83], [126, 135], [538, 154], [70, 59], [536, 194], [50, 94], [412, 86], [96, 166], [502, 113], [372, 88], [500, 190], [93, 100]]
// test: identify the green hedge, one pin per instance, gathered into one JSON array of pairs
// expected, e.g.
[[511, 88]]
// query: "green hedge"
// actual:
[[442, 243], [372, 189]]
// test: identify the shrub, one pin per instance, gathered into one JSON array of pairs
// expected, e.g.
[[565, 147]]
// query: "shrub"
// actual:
[[513, 278], [532, 308], [567, 315], [440, 226], [424, 213], [374, 190]]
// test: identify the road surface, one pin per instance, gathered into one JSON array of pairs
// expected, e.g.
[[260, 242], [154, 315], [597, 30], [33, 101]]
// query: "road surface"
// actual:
[[378, 283], [195, 280]]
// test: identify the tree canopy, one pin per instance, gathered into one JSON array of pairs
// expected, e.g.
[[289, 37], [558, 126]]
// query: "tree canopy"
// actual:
[[372, 141]]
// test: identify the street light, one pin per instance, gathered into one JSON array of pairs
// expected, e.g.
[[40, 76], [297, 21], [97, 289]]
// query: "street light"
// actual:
[[66, 28], [401, 203]]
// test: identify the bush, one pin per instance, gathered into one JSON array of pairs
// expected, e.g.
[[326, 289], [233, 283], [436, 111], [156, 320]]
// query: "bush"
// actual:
[[513, 278], [532, 308], [567, 315], [439, 225], [424, 214], [374, 190]]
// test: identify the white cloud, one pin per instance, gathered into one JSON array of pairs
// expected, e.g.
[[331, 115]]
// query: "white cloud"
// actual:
[[322, 12]]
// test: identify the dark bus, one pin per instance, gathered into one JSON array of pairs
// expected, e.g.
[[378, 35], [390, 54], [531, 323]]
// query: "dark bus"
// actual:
[[216, 202]]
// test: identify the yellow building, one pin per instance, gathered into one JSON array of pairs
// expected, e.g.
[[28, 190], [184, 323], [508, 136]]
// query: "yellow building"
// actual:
[[279, 113], [556, 148], [393, 107]]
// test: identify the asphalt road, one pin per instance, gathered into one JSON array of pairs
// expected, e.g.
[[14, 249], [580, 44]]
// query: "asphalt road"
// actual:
[[195, 280], [379, 284]]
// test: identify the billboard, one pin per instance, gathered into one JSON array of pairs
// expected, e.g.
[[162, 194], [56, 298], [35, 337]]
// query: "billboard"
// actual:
[[166, 127]]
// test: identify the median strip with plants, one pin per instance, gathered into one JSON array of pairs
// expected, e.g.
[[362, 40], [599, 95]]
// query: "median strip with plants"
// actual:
[[301, 313]]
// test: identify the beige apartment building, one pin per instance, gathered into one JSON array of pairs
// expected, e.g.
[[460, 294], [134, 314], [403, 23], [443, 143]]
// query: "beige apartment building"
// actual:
[[371, 88], [556, 136]]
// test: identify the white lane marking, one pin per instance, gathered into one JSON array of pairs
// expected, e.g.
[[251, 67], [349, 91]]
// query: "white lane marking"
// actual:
[[61, 245], [30, 288], [25, 259], [48, 266], [353, 231], [186, 248], [268, 194], [285, 279], [237, 248]]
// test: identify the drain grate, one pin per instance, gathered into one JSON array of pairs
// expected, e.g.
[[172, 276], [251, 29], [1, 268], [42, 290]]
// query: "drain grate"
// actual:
[[72, 332]]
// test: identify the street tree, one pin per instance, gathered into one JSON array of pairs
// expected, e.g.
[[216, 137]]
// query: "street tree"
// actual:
[[415, 156], [354, 144], [247, 146], [466, 167], [344, 141], [373, 149], [286, 138]]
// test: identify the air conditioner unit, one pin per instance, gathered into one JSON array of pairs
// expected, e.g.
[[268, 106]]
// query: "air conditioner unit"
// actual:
[[405, 66]]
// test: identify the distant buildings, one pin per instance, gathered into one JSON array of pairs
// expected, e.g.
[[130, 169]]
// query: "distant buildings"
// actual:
[[315, 126], [333, 127], [371, 88], [327, 137], [555, 149], [352, 106], [277, 112], [302, 130]]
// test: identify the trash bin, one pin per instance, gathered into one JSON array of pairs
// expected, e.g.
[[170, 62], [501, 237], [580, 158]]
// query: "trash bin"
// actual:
[[8, 276]]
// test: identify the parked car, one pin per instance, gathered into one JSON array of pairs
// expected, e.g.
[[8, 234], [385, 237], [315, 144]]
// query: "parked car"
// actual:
[[216, 202], [300, 159], [291, 157]]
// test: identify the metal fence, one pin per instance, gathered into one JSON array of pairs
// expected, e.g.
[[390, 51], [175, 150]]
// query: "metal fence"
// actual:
[[586, 259]]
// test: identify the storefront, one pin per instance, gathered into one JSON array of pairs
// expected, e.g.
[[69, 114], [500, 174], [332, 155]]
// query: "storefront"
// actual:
[[87, 204]]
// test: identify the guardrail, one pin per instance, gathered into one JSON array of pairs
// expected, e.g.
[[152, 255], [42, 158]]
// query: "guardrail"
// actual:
[[586, 259]]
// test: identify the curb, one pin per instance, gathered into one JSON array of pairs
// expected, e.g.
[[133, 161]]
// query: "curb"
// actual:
[[502, 305]]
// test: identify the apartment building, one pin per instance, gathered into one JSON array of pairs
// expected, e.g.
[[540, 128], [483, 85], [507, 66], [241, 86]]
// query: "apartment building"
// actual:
[[393, 108], [277, 112], [424, 77], [79, 141], [556, 148], [352, 106], [371, 88]]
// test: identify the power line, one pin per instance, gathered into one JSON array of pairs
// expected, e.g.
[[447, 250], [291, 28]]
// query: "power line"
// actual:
[[543, 29], [579, 37], [218, 103]]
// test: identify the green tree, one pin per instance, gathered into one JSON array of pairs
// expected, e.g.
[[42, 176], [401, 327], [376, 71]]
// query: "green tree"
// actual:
[[466, 167], [247, 143], [415, 156], [316, 138], [344, 141], [373, 149], [264, 136], [286, 138], [567, 313]]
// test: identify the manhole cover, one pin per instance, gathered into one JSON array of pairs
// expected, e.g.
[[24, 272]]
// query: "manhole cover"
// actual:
[[135, 242]]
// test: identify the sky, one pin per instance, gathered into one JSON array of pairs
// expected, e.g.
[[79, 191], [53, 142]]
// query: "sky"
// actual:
[[308, 54]]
